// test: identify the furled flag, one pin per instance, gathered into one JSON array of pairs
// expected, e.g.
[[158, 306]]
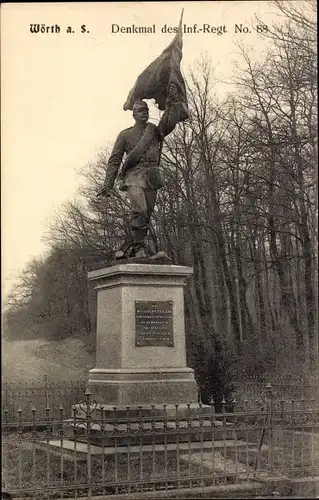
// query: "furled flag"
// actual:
[[153, 82]]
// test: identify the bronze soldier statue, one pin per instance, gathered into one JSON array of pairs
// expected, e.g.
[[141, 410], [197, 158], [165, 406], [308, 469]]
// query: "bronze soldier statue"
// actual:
[[140, 175]]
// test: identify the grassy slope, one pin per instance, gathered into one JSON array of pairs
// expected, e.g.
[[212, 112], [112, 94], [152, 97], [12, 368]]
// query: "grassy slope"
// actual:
[[29, 361]]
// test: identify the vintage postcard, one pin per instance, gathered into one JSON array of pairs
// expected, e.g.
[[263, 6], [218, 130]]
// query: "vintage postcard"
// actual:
[[159, 249]]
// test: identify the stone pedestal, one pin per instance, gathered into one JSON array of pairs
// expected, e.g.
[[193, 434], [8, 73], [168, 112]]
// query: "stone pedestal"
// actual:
[[134, 365]]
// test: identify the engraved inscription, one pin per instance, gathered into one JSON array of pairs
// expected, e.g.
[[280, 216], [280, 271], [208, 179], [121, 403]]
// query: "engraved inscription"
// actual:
[[154, 323]]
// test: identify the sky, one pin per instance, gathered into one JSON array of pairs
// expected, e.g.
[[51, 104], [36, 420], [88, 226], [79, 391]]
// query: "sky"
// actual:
[[62, 94]]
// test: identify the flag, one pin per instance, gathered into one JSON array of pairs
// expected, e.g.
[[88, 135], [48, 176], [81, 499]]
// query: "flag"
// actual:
[[153, 82]]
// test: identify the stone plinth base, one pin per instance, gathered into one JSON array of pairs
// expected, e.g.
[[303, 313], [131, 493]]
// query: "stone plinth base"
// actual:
[[156, 412], [138, 360], [158, 424], [150, 386]]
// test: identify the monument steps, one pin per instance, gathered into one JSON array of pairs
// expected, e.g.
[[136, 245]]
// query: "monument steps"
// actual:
[[80, 448]]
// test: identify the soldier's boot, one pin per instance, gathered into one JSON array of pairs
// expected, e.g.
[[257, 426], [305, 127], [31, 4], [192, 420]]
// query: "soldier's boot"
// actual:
[[140, 252], [119, 254], [138, 235], [125, 249], [161, 255]]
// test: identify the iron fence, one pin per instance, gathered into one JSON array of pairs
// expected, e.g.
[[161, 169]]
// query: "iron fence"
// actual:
[[47, 395], [53, 395], [281, 389], [104, 450]]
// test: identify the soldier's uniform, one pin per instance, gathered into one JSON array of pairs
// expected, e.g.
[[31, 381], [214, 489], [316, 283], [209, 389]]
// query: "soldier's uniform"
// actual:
[[141, 181]]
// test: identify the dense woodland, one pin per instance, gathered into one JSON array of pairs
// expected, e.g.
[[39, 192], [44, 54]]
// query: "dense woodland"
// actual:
[[239, 206]]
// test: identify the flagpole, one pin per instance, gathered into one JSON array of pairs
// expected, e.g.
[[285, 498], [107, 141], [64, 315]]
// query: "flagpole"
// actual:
[[181, 20], [171, 55]]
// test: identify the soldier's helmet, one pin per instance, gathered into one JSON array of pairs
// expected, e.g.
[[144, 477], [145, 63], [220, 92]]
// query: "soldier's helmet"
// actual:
[[139, 103]]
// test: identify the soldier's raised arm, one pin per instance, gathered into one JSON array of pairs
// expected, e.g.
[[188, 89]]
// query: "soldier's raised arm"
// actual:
[[176, 111]]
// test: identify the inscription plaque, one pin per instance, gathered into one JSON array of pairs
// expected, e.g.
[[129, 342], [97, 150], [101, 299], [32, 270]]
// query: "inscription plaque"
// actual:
[[154, 323]]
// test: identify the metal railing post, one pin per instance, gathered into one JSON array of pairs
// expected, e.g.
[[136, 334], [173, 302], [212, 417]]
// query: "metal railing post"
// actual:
[[270, 424], [88, 434], [46, 395]]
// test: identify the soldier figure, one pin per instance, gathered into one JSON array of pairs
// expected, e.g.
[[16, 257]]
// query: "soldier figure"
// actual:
[[140, 175]]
